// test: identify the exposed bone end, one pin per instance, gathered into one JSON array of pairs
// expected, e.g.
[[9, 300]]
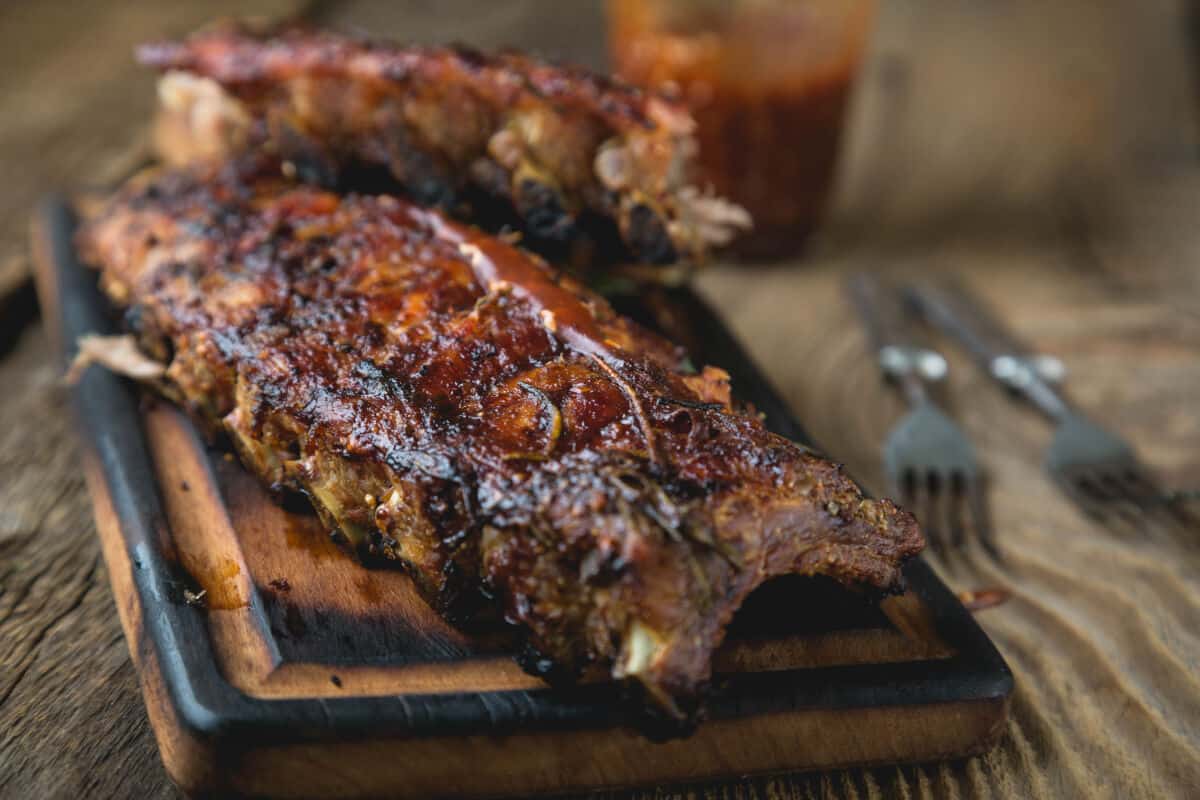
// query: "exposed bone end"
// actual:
[[643, 644], [614, 167], [326, 499], [642, 654], [239, 425], [506, 149], [197, 120]]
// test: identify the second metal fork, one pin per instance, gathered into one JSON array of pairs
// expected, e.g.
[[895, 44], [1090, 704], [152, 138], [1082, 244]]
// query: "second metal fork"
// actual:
[[1099, 471], [928, 460]]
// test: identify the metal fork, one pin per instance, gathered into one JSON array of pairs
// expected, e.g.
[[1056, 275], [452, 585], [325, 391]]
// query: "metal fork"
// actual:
[[928, 460], [1095, 468]]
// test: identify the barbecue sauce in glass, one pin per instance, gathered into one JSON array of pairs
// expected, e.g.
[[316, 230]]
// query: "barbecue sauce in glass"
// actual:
[[768, 82]]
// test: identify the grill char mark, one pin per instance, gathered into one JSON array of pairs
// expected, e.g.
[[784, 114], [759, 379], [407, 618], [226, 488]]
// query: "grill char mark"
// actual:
[[447, 401]]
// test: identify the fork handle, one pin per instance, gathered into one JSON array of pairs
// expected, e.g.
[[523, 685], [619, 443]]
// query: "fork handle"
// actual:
[[883, 316], [951, 308]]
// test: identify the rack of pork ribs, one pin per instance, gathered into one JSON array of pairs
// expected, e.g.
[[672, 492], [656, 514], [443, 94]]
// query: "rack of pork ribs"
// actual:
[[444, 398]]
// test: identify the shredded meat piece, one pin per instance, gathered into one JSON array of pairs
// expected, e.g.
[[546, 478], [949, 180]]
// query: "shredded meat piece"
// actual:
[[449, 401], [117, 353], [558, 143]]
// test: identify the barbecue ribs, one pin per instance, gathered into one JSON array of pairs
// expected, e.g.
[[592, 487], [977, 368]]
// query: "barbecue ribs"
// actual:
[[447, 400], [559, 143]]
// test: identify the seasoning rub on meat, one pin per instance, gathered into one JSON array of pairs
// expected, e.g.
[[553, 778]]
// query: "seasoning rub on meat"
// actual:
[[449, 401]]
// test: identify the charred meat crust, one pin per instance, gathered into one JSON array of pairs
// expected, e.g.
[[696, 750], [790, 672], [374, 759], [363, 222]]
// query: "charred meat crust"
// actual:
[[559, 143], [448, 401]]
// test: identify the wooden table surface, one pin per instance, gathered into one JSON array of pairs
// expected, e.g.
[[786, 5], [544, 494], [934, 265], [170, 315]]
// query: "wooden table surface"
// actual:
[[1046, 153]]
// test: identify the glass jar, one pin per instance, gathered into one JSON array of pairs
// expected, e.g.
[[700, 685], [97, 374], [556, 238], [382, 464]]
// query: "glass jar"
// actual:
[[768, 82]]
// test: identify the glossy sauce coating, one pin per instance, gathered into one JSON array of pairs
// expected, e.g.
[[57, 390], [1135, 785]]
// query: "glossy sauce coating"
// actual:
[[449, 401]]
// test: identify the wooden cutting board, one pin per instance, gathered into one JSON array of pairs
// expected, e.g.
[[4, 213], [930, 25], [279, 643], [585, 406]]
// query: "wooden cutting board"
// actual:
[[274, 664]]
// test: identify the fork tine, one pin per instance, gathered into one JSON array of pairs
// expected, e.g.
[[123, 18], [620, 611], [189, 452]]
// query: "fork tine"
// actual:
[[924, 507], [1109, 507], [1188, 522], [955, 508], [934, 521], [1074, 485], [1115, 484], [1124, 503], [1137, 485], [1156, 499], [981, 518], [902, 488], [1092, 485], [1129, 480]]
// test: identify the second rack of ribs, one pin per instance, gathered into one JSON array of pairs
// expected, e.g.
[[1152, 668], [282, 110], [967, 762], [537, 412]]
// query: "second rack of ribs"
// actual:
[[446, 400], [562, 145]]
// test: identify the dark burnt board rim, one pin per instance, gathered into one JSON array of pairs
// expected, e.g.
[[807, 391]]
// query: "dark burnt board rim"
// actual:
[[110, 425]]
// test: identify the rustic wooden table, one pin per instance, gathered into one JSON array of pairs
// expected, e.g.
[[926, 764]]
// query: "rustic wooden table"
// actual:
[[1044, 152]]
